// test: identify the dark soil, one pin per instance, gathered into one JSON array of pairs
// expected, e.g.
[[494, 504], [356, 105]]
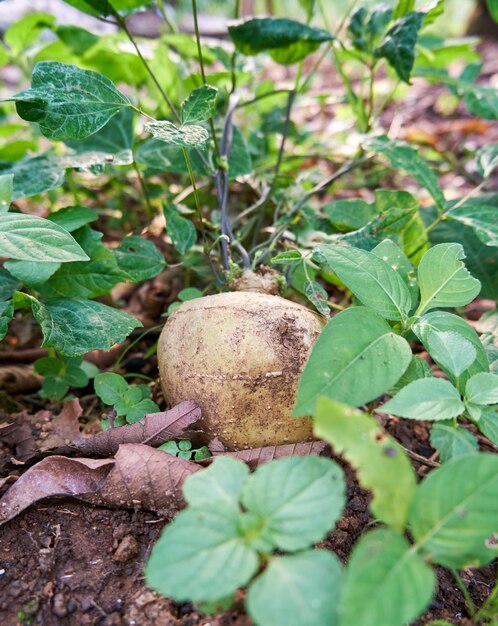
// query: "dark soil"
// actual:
[[65, 563]]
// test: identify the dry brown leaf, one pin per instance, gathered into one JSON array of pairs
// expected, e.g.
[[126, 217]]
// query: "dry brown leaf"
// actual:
[[18, 435], [257, 456], [19, 378], [140, 477], [153, 430], [65, 427]]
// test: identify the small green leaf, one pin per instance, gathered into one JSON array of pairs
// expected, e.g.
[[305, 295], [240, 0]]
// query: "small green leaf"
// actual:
[[380, 461], [190, 293], [399, 44], [68, 102], [294, 590], [452, 352], [110, 387], [444, 280], [137, 411], [493, 9], [201, 556], [186, 136], [287, 41], [403, 156], [487, 159], [6, 191], [103, 8], [482, 389], [23, 33], [350, 214], [454, 512], [6, 314], [482, 219], [139, 258], [386, 582], [317, 295], [488, 424], [426, 399], [200, 105], [182, 231], [418, 368], [222, 482], [403, 7], [452, 441], [282, 492], [356, 358], [171, 447], [286, 258], [370, 278], [31, 238], [73, 327]]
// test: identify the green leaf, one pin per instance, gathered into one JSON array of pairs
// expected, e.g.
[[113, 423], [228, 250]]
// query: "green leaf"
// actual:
[[221, 483], [317, 295], [370, 278], [33, 176], [487, 159], [22, 34], [31, 238], [398, 47], [139, 258], [432, 11], [6, 191], [200, 105], [403, 156], [444, 280], [283, 492], [137, 411], [488, 424], [392, 254], [452, 352], [287, 41], [350, 214], [454, 512], [355, 359], [287, 258], [31, 273], [186, 136], [444, 322], [72, 218], [386, 582], [482, 219], [403, 7], [381, 464], [110, 387], [451, 441], [73, 327], [182, 231], [6, 314], [108, 7], [200, 556], [426, 399], [68, 102], [482, 389], [417, 369], [303, 588], [493, 9], [8, 284]]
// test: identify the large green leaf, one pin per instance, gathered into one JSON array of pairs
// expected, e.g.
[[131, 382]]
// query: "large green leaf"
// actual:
[[283, 492], [452, 441], [33, 176], [222, 482], [349, 214], [403, 156], [356, 358], [482, 219], [72, 218], [386, 582], [68, 102], [287, 41], [398, 47], [201, 556], [372, 280], [444, 280], [482, 389], [185, 136], [8, 284], [200, 105], [32, 273], [379, 460], [426, 399], [455, 512], [31, 238], [294, 590], [392, 254], [73, 327], [23, 33]]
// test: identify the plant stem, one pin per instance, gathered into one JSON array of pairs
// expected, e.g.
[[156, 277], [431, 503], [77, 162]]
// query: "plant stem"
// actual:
[[468, 600], [162, 10], [143, 187]]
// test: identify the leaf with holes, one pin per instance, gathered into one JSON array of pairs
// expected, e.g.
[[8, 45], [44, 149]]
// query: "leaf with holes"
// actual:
[[200, 105], [185, 136]]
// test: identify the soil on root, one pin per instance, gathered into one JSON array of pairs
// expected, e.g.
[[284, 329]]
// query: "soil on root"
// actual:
[[66, 563]]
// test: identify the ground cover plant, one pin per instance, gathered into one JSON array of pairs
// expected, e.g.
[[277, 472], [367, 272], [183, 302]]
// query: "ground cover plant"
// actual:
[[301, 269]]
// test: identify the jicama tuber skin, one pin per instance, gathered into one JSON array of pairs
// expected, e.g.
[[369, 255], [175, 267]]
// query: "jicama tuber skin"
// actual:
[[239, 356]]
